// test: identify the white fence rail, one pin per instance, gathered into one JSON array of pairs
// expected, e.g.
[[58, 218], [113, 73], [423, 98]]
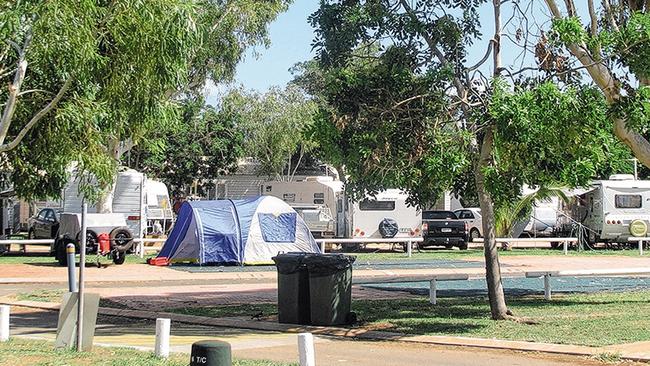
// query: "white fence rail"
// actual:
[[565, 241], [641, 240], [409, 241], [27, 241]]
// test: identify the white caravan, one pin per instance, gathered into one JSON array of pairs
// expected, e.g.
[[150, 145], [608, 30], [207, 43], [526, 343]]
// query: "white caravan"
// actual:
[[351, 220], [140, 199], [371, 212], [319, 200], [614, 210]]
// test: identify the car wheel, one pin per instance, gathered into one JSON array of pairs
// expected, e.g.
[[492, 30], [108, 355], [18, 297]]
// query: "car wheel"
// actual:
[[92, 242], [462, 245], [31, 234], [474, 234], [121, 239], [60, 251]]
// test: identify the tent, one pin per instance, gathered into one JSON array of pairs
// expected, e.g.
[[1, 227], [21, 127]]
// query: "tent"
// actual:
[[247, 231]]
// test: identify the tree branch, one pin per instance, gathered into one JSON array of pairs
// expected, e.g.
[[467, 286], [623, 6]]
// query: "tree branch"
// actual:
[[37, 117], [14, 87]]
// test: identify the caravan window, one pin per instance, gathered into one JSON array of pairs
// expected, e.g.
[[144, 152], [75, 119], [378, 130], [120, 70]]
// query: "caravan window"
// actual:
[[627, 200], [368, 205]]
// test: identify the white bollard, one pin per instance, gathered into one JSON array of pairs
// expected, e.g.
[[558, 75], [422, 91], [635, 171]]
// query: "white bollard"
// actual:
[[433, 298], [306, 349], [322, 247], [409, 249], [4, 323], [163, 327], [566, 247], [547, 287]]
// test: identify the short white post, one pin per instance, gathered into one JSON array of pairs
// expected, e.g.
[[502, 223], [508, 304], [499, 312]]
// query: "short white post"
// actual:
[[322, 246], [432, 292], [162, 337], [547, 287], [141, 249], [4, 323], [640, 247], [565, 247], [409, 249], [306, 349]]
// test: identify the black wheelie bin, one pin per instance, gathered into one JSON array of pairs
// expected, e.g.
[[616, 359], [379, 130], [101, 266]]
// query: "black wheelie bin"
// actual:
[[293, 288], [330, 288]]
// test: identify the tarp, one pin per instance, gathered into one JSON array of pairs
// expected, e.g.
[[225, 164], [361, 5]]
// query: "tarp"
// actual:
[[247, 231]]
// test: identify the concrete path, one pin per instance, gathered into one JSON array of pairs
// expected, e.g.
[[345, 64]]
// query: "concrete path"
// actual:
[[277, 346]]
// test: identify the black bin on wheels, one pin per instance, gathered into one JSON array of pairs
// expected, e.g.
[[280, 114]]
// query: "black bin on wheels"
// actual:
[[330, 288], [293, 288]]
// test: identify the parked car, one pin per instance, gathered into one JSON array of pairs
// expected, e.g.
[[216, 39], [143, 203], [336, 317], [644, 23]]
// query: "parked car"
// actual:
[[474, 220], [443, 228], [119, 236], [45, 224]]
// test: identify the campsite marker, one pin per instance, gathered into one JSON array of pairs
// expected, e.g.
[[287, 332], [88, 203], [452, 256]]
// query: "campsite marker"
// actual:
[[306, 349]]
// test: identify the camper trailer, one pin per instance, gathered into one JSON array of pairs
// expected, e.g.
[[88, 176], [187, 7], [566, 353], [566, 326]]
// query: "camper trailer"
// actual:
[[322, 199], [135, 196], [615, 209]]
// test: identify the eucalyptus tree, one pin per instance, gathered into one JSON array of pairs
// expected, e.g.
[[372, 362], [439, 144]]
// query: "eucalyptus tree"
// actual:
[[274, 125], [404, 108], [610, 41], [87, 80]]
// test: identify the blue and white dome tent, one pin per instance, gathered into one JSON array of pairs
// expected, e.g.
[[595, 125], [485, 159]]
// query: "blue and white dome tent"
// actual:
[[247, 231]]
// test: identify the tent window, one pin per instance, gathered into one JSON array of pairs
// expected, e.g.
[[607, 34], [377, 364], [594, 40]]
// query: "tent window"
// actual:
[[278, 229]]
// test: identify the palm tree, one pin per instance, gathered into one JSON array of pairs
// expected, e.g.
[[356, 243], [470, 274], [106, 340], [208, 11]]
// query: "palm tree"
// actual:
[[510, 218]]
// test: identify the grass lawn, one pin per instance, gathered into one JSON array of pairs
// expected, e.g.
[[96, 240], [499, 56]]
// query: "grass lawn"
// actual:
[[366, 256], [29, 352], [583, 319], [39, 258]]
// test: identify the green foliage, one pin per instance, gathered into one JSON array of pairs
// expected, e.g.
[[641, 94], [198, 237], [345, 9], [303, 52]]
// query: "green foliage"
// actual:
[[635, 109], [569, 30], [129, 62], [632, 44], [546, 135], [206, 143], [274, 125]]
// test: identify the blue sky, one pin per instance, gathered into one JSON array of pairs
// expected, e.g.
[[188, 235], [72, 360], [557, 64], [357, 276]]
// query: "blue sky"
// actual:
[[291, 37]]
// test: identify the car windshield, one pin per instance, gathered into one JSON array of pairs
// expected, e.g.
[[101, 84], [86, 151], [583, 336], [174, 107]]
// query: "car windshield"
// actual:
[[438, 215]]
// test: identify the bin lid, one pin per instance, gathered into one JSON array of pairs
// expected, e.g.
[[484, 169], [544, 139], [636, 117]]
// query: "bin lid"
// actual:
[[288, 263], [328, 263]]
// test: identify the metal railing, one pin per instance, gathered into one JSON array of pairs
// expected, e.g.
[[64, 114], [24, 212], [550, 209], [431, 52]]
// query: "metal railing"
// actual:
[[409, 241], [565, 241]]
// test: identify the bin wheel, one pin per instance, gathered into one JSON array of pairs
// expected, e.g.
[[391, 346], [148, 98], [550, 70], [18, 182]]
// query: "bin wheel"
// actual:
[[118, 257]]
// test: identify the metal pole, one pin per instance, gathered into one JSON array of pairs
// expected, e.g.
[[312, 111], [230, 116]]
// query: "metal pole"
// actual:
[[409, 249], [322, 246], [72, 281], [433, 298], [82, 265], [640, 247], [547, 287]]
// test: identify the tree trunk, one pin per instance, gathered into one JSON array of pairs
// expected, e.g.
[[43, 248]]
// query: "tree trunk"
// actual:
[[496, 297], [105, 201]]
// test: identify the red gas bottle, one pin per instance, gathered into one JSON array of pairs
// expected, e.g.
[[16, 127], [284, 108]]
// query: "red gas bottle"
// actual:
[[104, 243]]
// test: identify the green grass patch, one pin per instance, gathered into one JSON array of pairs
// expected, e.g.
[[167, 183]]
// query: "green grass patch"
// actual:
[[43, 259], [582, 319], [29, 352]]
